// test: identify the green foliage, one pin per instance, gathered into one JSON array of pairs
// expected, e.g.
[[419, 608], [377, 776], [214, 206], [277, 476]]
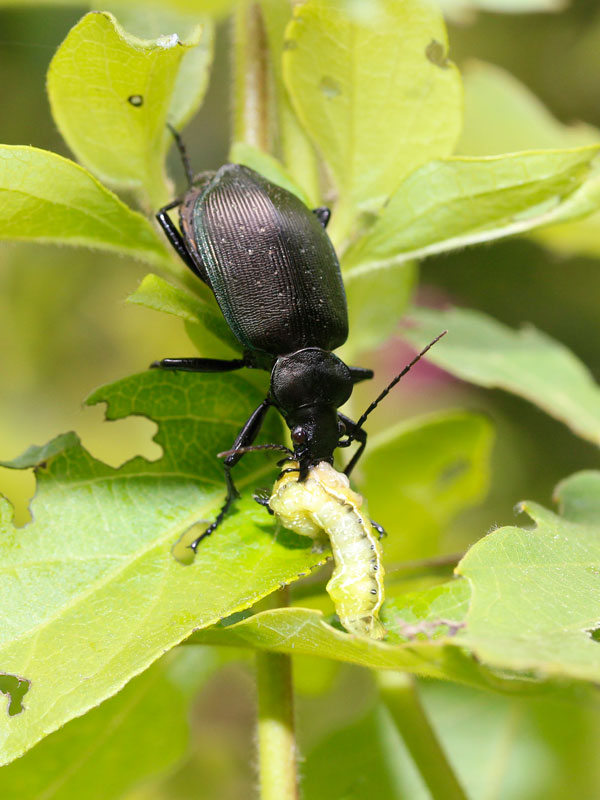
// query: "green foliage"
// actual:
[[50, 199], [113, 746], [125, 94], [527, 362], [342, 75], [527, 608], [100, 545], [454, 203], [441, 465], [96, 589]]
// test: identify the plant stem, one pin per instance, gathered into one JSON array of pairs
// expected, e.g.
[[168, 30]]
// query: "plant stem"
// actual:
[[251, 118], [400, 695], [276, 736]]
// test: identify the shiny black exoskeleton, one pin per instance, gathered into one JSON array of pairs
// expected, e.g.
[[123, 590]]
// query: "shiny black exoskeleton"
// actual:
[[277, 280]]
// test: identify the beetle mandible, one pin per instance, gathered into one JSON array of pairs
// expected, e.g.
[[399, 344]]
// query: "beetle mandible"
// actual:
[[276, 278]]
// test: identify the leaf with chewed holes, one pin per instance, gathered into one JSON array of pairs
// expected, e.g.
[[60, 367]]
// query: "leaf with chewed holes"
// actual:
[[526, 609], [111, 95], [91, 593]]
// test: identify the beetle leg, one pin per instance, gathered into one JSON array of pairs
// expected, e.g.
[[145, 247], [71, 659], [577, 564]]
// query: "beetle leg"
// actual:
[[244, 438], [176, 239], [359, 374], [360, 435], [322, 213], [199, 364]]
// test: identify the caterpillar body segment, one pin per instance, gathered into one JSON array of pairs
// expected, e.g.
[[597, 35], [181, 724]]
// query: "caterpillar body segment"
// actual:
[[324, 502]]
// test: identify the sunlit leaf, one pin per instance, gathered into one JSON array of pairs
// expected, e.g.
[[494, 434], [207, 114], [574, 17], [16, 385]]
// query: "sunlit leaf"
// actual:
[[535, 596], [160, 295], [526, 362], [114, 746], [151, 20], [47, 198], [502, 115], [526, 610], [92, 594], [111, 96], [447, 205], [376, 92]]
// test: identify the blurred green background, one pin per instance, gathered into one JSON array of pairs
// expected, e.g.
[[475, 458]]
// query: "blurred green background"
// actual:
[[64, 330]]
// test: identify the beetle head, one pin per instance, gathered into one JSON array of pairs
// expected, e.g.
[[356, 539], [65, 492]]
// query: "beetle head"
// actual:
[[308, 386]]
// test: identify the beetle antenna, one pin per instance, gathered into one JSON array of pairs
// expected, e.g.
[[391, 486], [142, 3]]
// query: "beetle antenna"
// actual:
[[241, 450], [183, 153], [360, 422]]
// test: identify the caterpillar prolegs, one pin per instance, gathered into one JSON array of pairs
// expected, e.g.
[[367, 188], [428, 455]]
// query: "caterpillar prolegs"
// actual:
[[324, 502]]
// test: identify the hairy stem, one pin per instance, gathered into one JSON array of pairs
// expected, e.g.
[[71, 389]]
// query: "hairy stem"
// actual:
[[400, 695], [251, 81], [276, 735]]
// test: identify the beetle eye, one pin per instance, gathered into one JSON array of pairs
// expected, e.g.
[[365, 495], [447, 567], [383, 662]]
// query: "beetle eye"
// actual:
[[298, 435], [341, 428]]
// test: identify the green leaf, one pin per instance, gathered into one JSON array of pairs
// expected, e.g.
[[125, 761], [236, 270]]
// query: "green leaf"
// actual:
[[451, 204], [361, 760], [111, 96], [304, 631], [419, 474], [268, 166], [159, 295], [462, 11], [376, 302], [526, 610], [47, 198], [376, 92], [151, 21], [535, 596], [527, 363], [579, 497], [502, 115], [139, 733], [92, 594]]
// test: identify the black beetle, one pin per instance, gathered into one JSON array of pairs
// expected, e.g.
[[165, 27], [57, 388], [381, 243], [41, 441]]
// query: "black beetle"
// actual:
[[277, 280]]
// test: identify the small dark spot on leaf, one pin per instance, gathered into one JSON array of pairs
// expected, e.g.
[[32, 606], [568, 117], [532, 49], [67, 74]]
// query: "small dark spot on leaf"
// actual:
[[330, 87], [15, 689], [290, 44], [595, 635], [436, 53], [136, 100], [451, 472]]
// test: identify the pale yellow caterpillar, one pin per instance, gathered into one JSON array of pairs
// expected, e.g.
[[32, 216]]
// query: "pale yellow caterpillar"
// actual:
[[324, 502]]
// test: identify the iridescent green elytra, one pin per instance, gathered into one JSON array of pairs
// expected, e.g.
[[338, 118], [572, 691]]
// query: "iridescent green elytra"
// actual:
[[324, 502]]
